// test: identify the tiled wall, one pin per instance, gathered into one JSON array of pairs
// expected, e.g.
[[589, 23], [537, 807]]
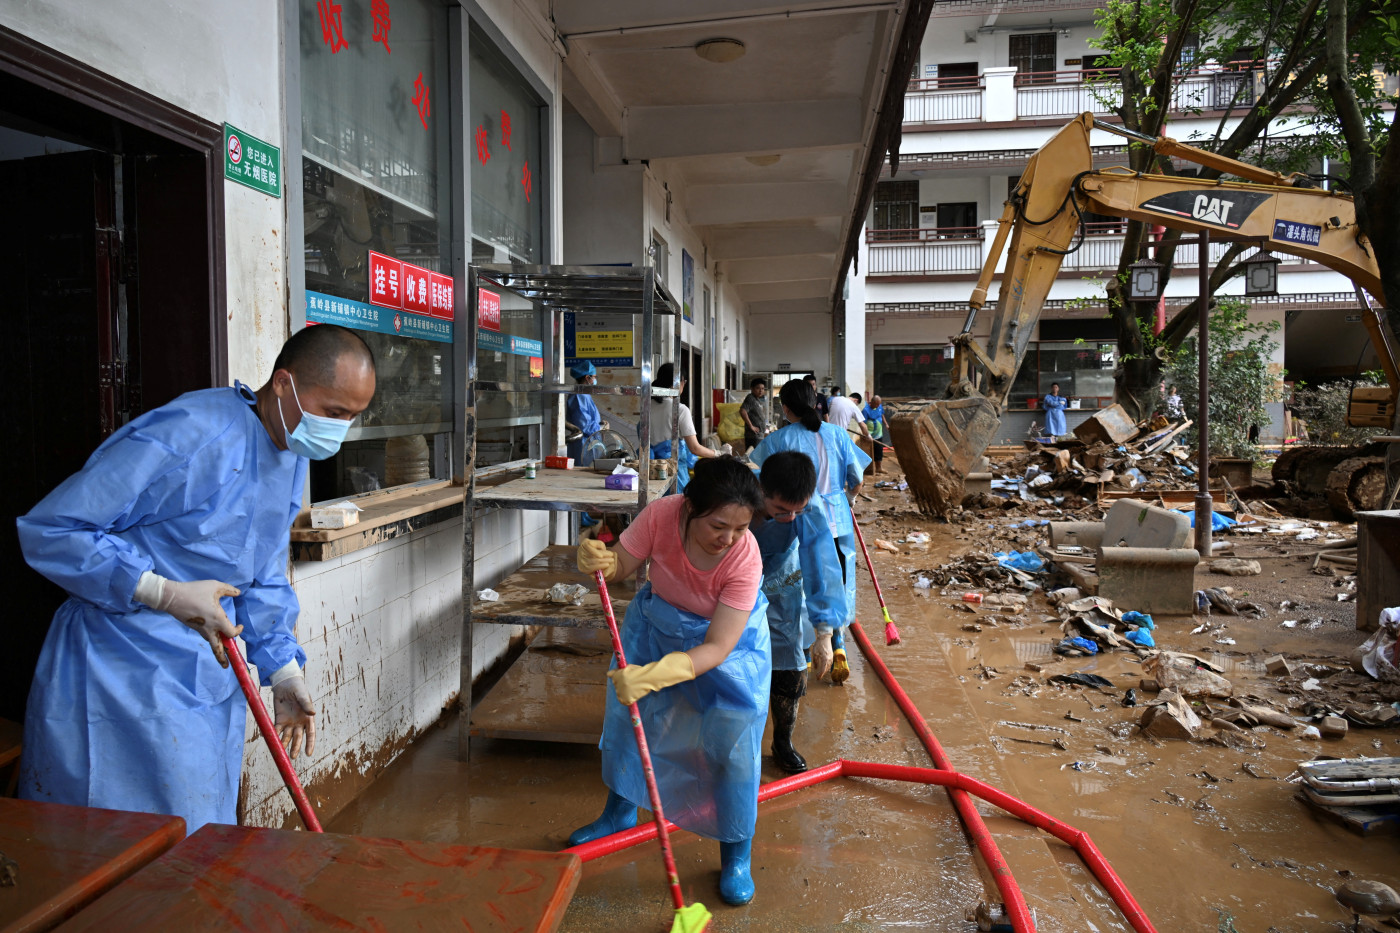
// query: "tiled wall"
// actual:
[[382, 633]]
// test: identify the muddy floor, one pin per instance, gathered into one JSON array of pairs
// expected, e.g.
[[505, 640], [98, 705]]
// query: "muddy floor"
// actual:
[[1208, 835]]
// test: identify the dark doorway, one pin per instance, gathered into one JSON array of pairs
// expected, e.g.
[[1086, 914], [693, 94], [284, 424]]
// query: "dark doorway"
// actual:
[[107, 241]]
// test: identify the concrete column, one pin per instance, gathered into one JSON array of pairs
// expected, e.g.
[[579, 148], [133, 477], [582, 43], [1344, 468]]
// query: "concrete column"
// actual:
[[999, 94], [857, 376]]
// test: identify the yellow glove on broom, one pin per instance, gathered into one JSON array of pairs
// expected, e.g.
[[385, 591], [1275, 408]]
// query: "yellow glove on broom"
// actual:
[[593, 556], [634, 682]]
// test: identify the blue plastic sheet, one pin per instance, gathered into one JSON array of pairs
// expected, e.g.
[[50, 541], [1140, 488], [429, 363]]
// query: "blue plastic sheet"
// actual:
[[1083, 644], [1218, 522], [1142, 637], [1027, 561], [1141, 619], [704, 735]]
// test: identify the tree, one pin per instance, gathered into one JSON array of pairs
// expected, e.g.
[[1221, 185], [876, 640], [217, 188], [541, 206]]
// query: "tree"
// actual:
[[1315, 52]]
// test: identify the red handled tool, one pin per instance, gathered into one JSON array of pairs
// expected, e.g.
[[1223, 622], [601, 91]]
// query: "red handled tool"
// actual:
[[269, 734], [695, 918], [891, 632]]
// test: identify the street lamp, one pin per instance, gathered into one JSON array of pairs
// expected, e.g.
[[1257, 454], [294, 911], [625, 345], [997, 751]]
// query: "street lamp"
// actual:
[[1145, 279], [1261, 274]]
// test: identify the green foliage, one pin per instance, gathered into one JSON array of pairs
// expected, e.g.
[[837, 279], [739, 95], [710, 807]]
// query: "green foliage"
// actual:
[[1240, 381], [1324, 408]]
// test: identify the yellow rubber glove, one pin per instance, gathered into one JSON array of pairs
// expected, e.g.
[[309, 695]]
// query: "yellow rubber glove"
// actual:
[[594, 555], [633, 683]]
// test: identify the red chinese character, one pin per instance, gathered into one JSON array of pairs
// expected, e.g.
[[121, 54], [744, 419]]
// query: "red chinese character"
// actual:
[[483, 152], [505, 129], [908, 361], [923, 359], [420, 100], [379, 9], [331, 30], [525, 182]]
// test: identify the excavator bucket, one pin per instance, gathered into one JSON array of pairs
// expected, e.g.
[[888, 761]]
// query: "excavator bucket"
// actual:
[[939, 444]]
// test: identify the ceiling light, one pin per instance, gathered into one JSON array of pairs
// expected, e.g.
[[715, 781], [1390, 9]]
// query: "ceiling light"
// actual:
[[763, 161], [720, 51]]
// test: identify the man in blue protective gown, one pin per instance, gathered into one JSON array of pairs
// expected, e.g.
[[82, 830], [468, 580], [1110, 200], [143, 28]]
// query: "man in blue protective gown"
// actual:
[[801, 578], [176, 523], [581, 413]]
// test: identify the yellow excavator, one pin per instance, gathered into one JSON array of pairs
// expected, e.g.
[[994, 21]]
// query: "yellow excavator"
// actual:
[[941, 442]]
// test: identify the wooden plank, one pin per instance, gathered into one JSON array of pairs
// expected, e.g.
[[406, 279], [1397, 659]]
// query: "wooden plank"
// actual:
[[68, 857], [394, 507], [523, 600], [564, 490], [1364, 821], [1165, 442], [242, 878], [372, 536], [555, 692]]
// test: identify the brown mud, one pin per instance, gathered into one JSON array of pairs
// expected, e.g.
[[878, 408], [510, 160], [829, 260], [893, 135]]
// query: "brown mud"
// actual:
[[1203, 833]]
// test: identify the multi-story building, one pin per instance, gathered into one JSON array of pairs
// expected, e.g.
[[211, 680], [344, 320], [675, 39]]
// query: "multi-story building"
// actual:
[[994, 81]]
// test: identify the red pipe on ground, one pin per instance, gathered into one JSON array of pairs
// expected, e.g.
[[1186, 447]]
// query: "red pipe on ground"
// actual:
[[1016, 909]]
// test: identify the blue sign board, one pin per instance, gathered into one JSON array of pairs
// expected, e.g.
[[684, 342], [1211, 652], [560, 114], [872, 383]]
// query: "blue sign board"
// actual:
[[328, 309], [1290, 231], [508, 343]]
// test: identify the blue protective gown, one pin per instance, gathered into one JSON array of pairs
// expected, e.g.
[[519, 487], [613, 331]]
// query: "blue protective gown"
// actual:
[[801, 578], [582, 412], [1054, 406], [684, 462], [129, 710], [845, 469], [704, 735]]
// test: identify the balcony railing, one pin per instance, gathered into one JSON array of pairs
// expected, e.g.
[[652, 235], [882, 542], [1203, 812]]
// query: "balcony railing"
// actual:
[[1000, 94], [960, 250]]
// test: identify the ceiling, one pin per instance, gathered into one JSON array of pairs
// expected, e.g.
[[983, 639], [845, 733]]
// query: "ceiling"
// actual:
[[807, 90]]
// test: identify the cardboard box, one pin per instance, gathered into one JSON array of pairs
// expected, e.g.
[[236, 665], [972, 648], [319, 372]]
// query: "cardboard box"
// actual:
[[559, 463]]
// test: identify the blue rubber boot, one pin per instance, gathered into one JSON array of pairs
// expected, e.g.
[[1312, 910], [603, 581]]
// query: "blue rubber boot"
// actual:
[[838, 639], [619, 813], [735, 882]]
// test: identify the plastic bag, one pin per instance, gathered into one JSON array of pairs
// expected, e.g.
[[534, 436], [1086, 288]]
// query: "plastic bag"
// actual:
[[1379, 652], [731, 426], [1218, 522], [1141, 637], [1026, 561], [1141, 619]]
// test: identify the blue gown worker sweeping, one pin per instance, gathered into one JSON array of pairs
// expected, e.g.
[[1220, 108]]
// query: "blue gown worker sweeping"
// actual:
[[581, 414], [176, 523], [840, 467], [800, 573], [1054, 405], [697, 646]]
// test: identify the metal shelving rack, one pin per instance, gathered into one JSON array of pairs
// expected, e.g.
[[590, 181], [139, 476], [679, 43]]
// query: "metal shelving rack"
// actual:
[[553, 290]]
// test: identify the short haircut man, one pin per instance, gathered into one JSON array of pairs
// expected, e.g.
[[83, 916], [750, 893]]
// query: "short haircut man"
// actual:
[[789, 476]]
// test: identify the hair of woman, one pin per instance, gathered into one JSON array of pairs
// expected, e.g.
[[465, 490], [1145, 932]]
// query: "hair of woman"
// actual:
[[718, 482], [801, 400]]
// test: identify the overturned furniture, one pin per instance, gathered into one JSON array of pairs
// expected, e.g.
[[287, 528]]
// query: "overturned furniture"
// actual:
[[1137, 557]]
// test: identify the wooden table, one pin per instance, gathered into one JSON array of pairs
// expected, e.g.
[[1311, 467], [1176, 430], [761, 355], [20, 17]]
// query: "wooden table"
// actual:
[[555, 692], [522, 594], [68, 857], [246, 879]]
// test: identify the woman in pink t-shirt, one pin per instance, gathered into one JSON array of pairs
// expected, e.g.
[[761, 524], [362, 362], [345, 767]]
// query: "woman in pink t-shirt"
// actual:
[[698, 666]]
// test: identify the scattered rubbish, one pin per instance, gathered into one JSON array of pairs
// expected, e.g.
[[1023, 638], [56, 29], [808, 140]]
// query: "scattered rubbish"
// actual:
[[919, 539], [1141, 637], [1130, 698], [1278, 665], [566, 594], [1187, 674], [1311, 733], [1076, 647], [1332, 727], [922, 582], [1312, 683], [1170, 718], [1288, 623], [1081, 679], [884, 545], [991, 917], [1024, 561], [1378, 653], [972, 598], [488, 596], [1140, 619], [1256, 714]]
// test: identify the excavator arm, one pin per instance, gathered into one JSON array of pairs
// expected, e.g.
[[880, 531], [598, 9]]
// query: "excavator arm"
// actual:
[[1043, 222]]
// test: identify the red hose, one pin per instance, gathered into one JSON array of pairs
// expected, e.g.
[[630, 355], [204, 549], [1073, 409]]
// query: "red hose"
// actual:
[[269, 734]]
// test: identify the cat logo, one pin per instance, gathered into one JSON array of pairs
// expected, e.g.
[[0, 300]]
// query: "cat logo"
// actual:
[[1210, 206], [1212, 210]]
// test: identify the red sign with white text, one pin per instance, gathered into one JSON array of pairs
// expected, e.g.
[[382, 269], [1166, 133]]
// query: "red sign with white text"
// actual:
[[488, 310], [440, 295], [415, 289], [385, 281]]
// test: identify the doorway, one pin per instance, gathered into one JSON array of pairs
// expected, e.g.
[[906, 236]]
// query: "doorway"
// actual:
[[111, 243]]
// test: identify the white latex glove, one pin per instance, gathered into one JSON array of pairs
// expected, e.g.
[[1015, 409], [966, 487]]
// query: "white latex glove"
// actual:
[[726, 450], [195, 603], [822, 654], [295, 715]]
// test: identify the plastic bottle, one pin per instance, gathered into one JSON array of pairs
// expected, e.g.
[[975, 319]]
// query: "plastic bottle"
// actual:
[[530, 469], [972, 597]]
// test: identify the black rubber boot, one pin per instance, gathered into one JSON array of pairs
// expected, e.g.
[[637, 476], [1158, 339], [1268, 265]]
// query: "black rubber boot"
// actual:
[[788, 688]]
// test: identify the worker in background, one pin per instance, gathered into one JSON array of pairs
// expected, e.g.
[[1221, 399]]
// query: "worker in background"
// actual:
[[877, 427], [840, 467], [176, 525], [691, 450], [821, 399], [800, 570], [845, 414], [1176, 410], [1054, 405], [698, 666], [581, 416], [754, 411]]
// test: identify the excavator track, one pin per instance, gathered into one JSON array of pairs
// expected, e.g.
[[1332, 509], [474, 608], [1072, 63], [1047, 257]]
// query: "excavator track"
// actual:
[[1356, 485]]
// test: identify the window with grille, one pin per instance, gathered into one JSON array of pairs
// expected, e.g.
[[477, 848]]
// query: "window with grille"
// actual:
[[897, 205], [1033, 56]]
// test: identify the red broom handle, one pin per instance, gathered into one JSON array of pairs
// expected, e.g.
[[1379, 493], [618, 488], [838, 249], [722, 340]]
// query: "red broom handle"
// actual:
[[269, 734], [672, 876], [868, 565]]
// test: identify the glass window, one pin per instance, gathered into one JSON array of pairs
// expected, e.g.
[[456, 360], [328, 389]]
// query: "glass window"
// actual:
[[374, 100], [1084, 370], [1033, 56], [912, 372], [897, 205]]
